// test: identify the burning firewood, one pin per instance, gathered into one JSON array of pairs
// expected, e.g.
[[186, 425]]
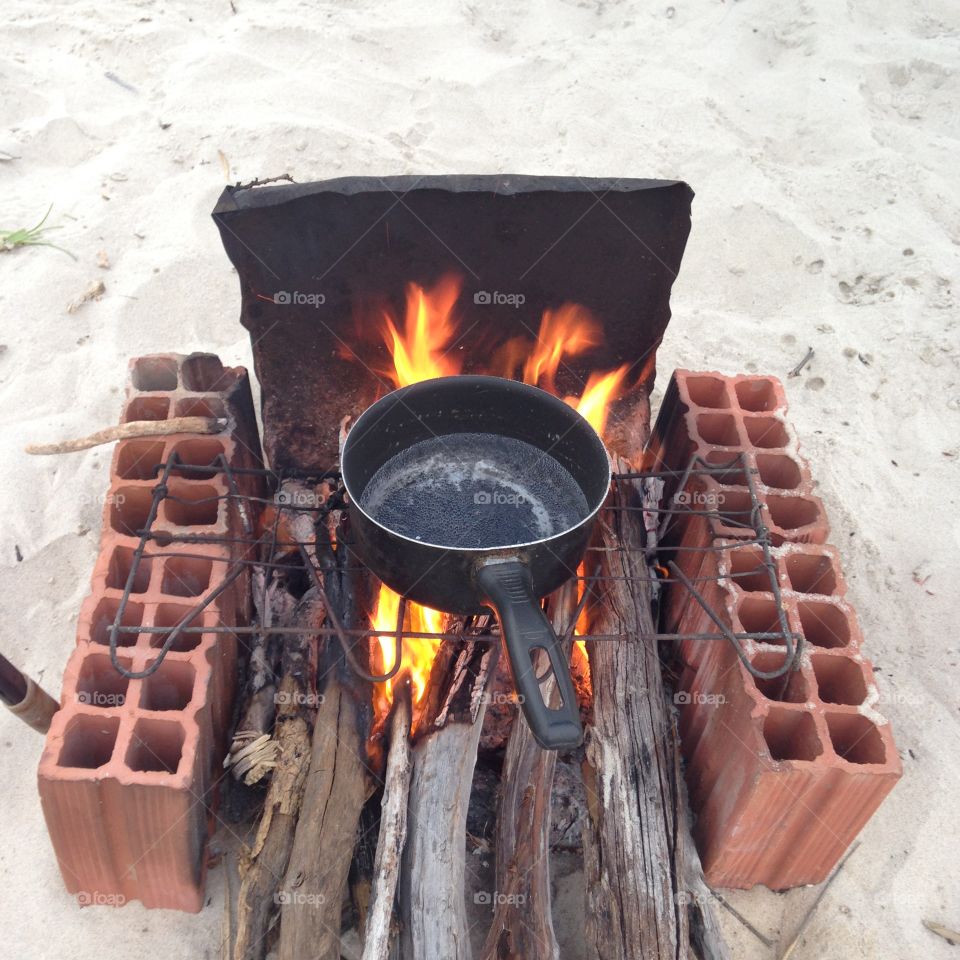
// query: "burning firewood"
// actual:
[[432, 907]]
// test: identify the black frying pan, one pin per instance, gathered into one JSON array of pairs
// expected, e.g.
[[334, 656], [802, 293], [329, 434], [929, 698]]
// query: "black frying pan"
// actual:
[[472, 492]]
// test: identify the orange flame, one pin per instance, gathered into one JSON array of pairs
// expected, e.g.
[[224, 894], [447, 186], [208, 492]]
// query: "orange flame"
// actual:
[[601, 390], [418, 653], [421, 351]]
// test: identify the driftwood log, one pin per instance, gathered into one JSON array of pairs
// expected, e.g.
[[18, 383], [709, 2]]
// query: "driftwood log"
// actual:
[[635, 840], [432, 870]]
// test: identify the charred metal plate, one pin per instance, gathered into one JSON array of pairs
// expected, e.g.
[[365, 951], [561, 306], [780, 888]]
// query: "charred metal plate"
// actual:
[[313, 257]]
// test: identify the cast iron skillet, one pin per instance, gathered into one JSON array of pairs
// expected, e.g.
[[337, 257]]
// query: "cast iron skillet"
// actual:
[[471, 492]]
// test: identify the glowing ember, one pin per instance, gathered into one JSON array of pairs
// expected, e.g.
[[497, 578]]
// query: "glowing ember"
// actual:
[[420, 352]]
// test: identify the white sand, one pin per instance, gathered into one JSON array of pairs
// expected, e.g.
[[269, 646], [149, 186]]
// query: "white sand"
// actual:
[[821, 139]]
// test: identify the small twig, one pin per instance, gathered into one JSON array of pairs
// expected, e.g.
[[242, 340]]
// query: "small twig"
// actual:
[[951, 936], [791, 946], [285, 177], [808, 356], [131, 430]]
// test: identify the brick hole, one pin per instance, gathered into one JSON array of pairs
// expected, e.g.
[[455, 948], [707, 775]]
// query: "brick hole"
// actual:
[[186, 576], [197, 505], [757, 396], [197, 453], [749, 571], [766, 432], [811, 573], [99, 684], [734, 510], [104, 616], [204, 373], [200, 407], [791, 735], [170, 688], [719, 429], [708, 392], [840, 680], [733, 474], [138, 459], [130, 509], [88, 742], [779, 470], [169, 615], [147, 408], [824, 625], [154, 373], [156, 745], [790, 688], [791, 513], [121, 562], [855, 738], [759, 615]]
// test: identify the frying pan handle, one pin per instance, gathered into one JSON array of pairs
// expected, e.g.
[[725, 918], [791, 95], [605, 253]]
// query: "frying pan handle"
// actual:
[[507, 588]]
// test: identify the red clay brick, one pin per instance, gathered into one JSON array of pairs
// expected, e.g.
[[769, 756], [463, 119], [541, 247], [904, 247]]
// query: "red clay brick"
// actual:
[[782, 773], [128, 772]]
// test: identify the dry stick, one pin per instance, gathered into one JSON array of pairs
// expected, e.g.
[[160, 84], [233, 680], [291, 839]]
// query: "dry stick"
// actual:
[[632, 857], [393, 831], [339, 783], [130, 431], [522, 926], [432, 907]]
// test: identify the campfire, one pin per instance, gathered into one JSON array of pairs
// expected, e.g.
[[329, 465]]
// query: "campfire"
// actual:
[[427, 831]]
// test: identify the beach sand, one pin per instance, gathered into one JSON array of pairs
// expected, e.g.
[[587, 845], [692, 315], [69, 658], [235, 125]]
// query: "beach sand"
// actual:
[[819, 138]]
